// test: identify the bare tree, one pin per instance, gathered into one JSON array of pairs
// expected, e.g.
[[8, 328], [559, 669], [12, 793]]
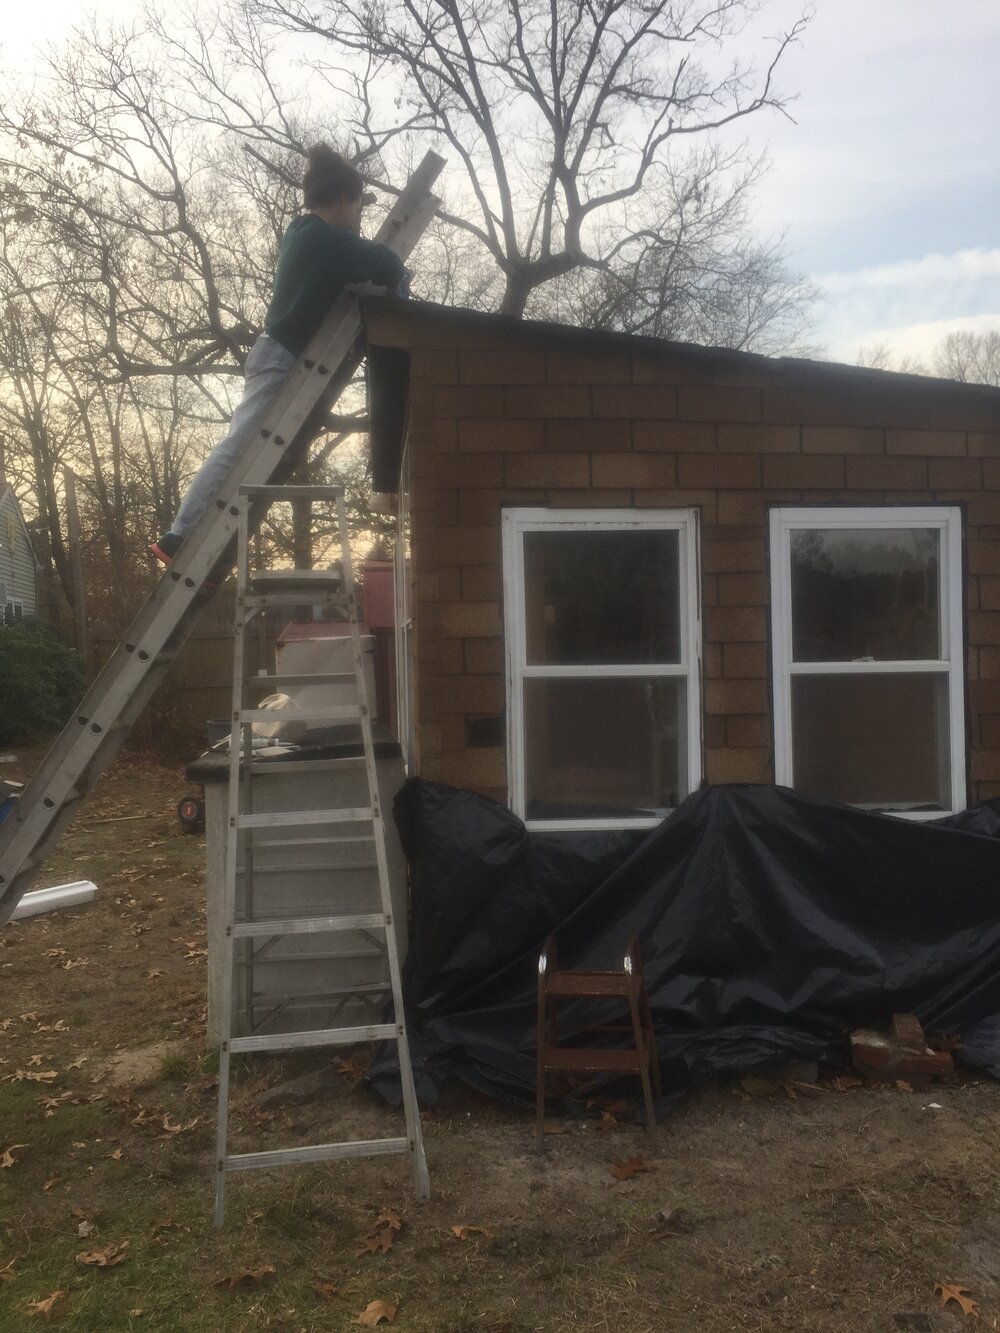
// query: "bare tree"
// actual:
[[575, 124], [972, 358]]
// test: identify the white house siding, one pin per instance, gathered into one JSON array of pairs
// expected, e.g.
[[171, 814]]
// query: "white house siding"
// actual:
[[17, 559]]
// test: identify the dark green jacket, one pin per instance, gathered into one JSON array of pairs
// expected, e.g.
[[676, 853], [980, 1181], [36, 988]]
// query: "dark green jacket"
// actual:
[[315, 261]]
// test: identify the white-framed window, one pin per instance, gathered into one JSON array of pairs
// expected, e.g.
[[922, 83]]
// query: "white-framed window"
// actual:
[[867, 650], [603, 642]]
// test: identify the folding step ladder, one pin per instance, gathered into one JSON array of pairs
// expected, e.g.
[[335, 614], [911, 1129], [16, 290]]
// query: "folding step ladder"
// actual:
[[258, 593], [127, 682]]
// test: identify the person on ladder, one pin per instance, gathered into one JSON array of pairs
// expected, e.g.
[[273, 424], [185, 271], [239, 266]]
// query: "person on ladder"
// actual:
[[320, 253]]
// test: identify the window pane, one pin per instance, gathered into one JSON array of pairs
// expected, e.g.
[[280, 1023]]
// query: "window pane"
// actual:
[[872, 740], [604, 747], [865, 593], [602, 597]]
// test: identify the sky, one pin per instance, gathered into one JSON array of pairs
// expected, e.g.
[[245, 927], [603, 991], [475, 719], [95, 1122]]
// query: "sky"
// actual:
[[886, 187]]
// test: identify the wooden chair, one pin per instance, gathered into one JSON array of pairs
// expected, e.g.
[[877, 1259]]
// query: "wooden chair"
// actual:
[[627, 987]]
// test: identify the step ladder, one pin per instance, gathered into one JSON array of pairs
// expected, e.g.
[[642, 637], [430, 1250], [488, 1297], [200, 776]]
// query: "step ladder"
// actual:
[[260, 592], [91, 738]]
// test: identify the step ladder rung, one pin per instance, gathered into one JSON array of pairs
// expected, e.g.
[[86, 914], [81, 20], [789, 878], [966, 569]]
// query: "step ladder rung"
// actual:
[[319, 713], [306, 578], [303, 1041], [260, 601], [273, 1000], [318, 1152], [306, 678], [310, 925], [291, 767], [295, 818]]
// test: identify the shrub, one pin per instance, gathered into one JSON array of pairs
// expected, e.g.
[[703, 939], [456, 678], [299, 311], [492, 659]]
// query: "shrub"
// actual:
[[41, 681]]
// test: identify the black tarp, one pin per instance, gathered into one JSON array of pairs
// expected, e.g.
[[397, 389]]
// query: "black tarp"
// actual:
[[770, 925]]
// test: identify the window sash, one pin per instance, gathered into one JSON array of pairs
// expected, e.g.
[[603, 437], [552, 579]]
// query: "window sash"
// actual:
[[516, 523], [948, 520]]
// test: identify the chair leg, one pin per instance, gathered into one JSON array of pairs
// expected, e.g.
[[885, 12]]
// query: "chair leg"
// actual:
[[643, 1049]]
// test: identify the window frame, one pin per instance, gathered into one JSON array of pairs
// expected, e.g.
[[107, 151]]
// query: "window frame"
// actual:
[[515, 523], [951, 610]]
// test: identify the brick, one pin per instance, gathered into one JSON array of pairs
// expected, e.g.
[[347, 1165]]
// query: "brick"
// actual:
[[517, 365], [449, 584], [954, 474], [713, 733], [445, 505], [670, 368], [989, 593], [471, 694], [470, 620], [984, 695], [758, 375], [471, 770], [677, 498], [723, 766], [683, 437], [985, 765], [731, 532], [825, 471], [936, 443], [547, 470], [807, 407], [720, 557], [879, 474], [500, 437], [753, 439], [990, 731], [470, 470], [744, 661], [987, 791], [603, 498], [695, 403], [586, 436], [547, 400], [744, 588], [989, 664], [984, 444], [437, 363], [580, 367], [984, 627], [709, 589], [484, 656], [462, 545], [983, 509], [711, 663], [634, 401], [735, 696], [734, 471], [741, 507], [983, 557], [736, 624], [448, 660], [991, 474], [482, 507], [454, 400], [638, 470], [972, 596], [842, 440], [481, 583], [749, 731]]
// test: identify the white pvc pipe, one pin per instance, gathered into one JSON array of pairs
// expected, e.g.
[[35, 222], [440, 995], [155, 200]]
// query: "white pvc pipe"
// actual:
[[47, 900]]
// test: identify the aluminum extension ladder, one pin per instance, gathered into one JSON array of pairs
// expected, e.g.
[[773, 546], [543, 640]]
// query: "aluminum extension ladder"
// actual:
[[358, 828], [91, 738]]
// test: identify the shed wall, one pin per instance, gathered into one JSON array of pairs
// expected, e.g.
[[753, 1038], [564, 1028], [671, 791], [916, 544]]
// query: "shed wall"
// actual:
[[17, 559], [495, 422]]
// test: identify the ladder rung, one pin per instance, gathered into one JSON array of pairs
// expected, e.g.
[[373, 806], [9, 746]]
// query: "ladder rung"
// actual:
[[293, 492], [291, 818], [261, 959], [321, 713], [318, 1152], [274, 1000], [309, 925], [277, 844], [307, 678], [301, 1041], [281, 767], [309, 596]]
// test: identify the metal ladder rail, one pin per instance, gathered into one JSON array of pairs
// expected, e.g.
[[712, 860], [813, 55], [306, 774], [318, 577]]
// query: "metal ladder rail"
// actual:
[[240, 801], [130, 677]]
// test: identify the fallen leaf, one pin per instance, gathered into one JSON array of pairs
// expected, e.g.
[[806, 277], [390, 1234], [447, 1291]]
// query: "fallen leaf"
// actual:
[[381, 1239], [7, 1160], [49, 1183], [375, 1311], [903, 1086], [464, 1232], [136, 1313], [631, 1166], [948, 1291], [354, 1068], [153, 973], [85, 1229], [7, 1273], [117, 1154], [77, 1063], [36, 1060], [106, 1258], [40, 1076], [388, 1217], [70, 963], [247, 1277], [44, 1307], [83, 1214], [606, 1123], [326, 1290], [58, 1026], [55, 953], [556, 1129]]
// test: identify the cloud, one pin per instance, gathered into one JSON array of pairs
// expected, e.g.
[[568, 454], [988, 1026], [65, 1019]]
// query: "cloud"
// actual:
[[913, 341], [963, 265]]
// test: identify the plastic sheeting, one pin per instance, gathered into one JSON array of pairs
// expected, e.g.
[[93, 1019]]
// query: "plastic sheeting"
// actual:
[[770, 925]]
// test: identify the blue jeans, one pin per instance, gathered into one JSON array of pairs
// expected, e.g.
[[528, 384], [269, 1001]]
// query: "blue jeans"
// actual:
[[265, 371]]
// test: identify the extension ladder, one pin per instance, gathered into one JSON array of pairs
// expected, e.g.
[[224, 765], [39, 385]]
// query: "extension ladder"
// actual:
[[327, 820], [129, 679]]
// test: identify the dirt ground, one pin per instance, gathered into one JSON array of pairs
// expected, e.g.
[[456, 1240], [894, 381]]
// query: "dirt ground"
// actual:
[[757, 1207]]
